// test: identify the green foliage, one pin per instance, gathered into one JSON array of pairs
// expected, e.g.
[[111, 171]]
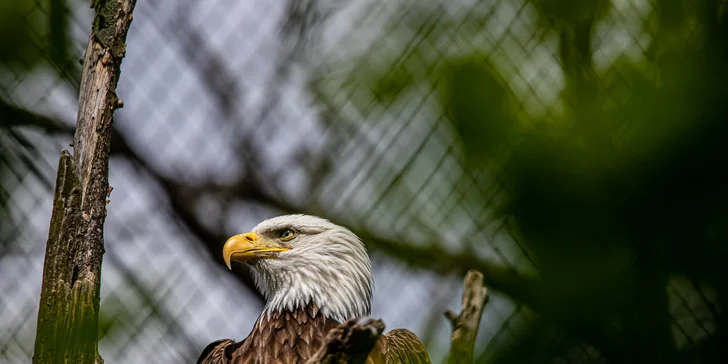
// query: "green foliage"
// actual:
[[570, 12], [631, 193], [480, 107], [31, 32], [20, 21]]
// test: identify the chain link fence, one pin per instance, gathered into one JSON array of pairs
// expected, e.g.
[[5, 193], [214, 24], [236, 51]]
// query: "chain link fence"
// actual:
[[240, 110]]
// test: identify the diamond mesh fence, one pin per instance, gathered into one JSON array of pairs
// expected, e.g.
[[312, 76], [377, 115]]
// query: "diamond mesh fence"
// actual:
[[240, 110]]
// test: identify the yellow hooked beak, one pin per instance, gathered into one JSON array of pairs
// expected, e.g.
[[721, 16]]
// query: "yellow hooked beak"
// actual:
[[244, 247]]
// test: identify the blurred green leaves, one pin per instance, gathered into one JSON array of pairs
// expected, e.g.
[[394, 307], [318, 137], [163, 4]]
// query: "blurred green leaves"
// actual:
[[21, 22], [570, 12], [620, 191], [480, 107], [32, 31], [58, 37]]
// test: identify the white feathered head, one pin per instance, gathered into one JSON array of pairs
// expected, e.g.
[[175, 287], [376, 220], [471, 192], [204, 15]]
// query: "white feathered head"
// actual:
[[301, 259]]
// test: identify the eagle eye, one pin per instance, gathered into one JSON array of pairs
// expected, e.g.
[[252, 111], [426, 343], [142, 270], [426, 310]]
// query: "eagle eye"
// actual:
[[287, 234]]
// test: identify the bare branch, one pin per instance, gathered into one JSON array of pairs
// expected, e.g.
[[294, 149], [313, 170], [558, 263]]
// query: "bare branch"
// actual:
[[69, 305], [465, 325], [16, 116], [182, 200], [212, 68]]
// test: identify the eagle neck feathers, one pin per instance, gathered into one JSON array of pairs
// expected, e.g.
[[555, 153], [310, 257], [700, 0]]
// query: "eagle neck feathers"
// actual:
[[338, 287]]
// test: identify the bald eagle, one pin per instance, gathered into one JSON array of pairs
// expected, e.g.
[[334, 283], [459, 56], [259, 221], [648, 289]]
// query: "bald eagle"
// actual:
[[314, 275]]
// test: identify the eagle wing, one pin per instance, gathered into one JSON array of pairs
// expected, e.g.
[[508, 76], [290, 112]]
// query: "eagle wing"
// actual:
[[399, 346], [218, 352]]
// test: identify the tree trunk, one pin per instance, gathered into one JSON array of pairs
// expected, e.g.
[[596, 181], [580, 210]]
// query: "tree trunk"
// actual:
[[69, 301]]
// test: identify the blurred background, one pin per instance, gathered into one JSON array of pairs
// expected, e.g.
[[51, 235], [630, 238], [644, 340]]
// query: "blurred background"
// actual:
[[568, 149]]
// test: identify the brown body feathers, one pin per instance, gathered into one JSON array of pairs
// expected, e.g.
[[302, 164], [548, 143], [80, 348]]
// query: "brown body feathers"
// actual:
[[294, 337]]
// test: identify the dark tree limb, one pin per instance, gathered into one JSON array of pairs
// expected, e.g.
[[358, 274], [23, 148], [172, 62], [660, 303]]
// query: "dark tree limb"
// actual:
[[465, 325], [183, 200], [69, 303], [15, 116], [350, 343]]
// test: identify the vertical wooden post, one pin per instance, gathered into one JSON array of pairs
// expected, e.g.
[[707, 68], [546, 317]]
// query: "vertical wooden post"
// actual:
[[69, 301]]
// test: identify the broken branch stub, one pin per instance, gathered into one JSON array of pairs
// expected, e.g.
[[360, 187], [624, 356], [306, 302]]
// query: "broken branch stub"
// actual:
[[465, 325]]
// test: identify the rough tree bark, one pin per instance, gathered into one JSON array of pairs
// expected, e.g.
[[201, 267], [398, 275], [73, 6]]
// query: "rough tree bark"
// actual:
[[69, 301], [465, 325]]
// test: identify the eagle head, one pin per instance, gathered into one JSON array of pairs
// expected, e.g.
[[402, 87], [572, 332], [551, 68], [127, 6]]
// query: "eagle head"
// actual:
[[299, 260]]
